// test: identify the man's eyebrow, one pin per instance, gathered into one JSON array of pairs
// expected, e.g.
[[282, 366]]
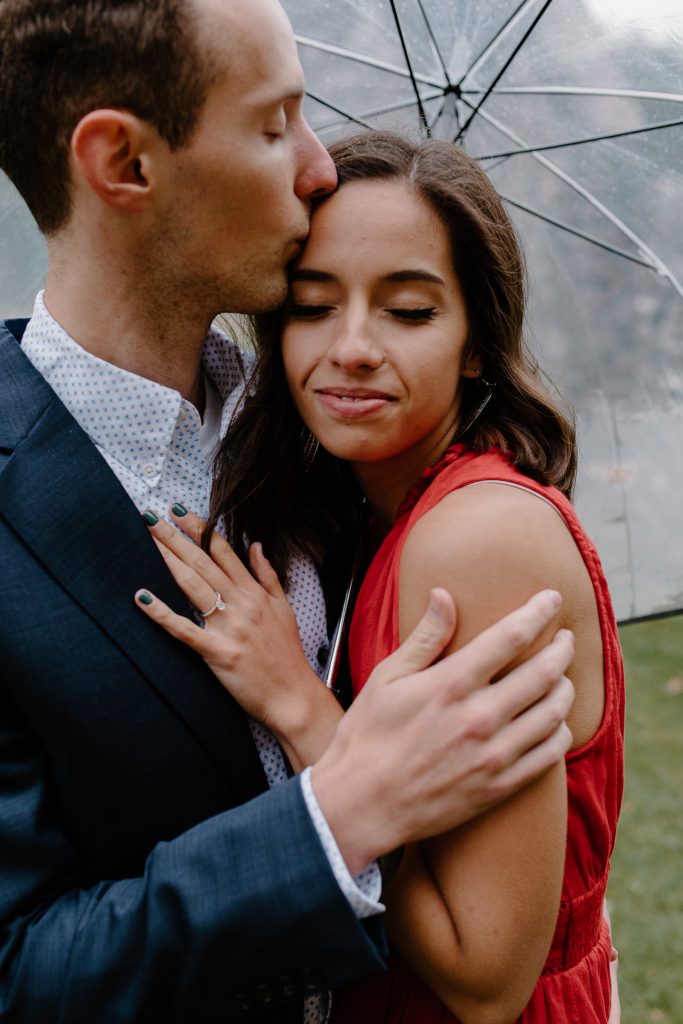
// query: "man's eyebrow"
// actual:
[[292, 96]]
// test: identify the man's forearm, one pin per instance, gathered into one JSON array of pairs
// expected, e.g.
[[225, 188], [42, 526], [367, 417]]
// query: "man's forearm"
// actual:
[[246, 899]]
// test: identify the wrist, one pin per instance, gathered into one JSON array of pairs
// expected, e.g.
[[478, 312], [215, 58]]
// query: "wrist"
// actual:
[[305, 726], [361, 835]]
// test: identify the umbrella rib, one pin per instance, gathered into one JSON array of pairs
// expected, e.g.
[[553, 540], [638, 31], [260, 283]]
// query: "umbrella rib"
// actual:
[[409, 64], [650, 616], [498, 37], [571, 90], [583, 141], [658, 264], [579, 234], [359, 58], [338, 110], [501, 72], [391, 108], [435, 44]]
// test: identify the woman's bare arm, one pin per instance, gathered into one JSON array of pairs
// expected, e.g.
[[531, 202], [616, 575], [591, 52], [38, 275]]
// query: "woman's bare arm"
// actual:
[[474, 910]]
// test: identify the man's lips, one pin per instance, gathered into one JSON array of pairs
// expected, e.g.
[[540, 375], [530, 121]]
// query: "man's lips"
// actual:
[[351, 403]]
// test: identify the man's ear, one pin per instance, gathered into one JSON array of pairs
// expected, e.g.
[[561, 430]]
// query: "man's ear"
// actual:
[[113, 151]]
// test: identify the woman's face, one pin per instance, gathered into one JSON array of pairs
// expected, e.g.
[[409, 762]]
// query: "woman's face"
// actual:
[[375, 336]]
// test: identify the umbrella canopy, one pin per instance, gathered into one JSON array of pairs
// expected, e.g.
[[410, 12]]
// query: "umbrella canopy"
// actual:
[[575, 108]]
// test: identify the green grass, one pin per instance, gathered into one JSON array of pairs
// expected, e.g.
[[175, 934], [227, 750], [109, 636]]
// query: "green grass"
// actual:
[[646, 884]]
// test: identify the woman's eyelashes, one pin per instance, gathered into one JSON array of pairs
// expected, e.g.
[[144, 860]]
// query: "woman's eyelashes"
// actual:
[[406, 314], [307, 311], [413, 313]]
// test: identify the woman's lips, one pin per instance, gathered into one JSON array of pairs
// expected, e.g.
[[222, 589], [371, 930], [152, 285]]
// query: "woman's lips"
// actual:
[[352, 403]]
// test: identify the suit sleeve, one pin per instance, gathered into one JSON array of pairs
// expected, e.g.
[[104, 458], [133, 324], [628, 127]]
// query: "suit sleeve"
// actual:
[[238, 914]]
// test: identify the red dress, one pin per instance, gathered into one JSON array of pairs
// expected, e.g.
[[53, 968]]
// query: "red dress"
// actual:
[[575, 983]]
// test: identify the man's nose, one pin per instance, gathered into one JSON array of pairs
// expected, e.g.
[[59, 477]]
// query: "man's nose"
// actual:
[[317, 174]]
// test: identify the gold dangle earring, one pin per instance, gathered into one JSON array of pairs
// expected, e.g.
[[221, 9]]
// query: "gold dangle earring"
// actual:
[[486, 398], [309, 448]]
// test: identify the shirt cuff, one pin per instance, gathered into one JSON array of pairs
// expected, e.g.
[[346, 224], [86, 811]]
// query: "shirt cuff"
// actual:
[[363, 891]]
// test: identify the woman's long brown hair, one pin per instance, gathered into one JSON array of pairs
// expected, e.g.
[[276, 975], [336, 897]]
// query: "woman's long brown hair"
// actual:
[[263, 489]]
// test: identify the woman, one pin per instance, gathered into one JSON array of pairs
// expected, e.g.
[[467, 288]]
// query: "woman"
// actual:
[[401, 344]]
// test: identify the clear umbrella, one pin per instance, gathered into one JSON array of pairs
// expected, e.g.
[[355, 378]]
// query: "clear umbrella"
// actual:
[[575, 108]]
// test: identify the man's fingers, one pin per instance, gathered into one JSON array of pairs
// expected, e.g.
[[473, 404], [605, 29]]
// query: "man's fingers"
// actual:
[[530, 682], [522, 750], [532, 764], [534, 725], [480, 661], [426, 642]]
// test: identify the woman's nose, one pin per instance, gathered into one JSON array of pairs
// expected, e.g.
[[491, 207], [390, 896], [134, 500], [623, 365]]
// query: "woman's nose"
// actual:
[[355, 346]]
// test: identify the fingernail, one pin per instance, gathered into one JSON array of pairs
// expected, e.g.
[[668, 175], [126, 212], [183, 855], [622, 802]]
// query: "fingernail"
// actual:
[[554, 598], [145, 598], [179, 510], [566, 634], [151, 518]]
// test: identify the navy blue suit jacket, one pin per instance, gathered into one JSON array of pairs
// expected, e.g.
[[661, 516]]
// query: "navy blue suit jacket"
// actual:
[[145, 873]]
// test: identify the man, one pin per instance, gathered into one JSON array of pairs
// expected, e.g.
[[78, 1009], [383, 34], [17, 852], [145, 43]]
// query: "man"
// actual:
[[145, 872]]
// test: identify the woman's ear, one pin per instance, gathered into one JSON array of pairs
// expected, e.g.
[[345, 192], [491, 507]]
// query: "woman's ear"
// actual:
[[112, 151], [472, 365]]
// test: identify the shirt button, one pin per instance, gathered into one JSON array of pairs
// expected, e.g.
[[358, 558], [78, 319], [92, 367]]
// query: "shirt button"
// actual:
[[182, 415], [149, 469]]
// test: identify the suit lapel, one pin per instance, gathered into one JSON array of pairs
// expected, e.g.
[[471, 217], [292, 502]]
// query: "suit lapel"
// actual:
[[67, 506]]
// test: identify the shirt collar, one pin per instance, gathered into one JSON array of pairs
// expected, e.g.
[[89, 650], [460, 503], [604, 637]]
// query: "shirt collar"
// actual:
[[120, 411]]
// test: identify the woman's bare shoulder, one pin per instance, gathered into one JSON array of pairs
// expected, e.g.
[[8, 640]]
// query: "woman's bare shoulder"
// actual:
[[493, 535], [493, 546]]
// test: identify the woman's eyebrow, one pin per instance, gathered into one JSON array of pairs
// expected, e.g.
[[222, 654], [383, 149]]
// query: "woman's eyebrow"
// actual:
[[304, 274], [414, 275], [396, 277]]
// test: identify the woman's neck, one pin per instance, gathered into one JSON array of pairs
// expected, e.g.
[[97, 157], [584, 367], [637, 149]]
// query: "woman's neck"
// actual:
[[386, 483]]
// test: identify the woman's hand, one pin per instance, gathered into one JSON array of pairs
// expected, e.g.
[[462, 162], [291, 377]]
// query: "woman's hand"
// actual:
[[250, 641]]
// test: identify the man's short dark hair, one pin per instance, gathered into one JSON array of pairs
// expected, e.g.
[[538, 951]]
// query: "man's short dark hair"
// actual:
[[60, 59]]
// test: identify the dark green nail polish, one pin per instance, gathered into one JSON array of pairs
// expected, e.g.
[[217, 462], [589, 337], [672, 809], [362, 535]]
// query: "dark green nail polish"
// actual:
[[151, 518], [179, 510], [145, 598]]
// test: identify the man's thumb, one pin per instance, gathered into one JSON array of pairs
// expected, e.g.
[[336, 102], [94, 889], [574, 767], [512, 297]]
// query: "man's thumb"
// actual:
[[426, 642]]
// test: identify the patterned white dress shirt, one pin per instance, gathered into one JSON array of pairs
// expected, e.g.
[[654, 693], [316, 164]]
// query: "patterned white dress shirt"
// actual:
[[161, 451]]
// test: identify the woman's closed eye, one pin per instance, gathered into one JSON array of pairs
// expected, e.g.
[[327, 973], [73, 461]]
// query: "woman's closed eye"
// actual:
[[413, 314], [317, 310], [307, 311]]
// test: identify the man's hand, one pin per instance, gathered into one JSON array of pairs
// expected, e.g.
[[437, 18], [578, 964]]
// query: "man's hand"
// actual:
[[424, 749]]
